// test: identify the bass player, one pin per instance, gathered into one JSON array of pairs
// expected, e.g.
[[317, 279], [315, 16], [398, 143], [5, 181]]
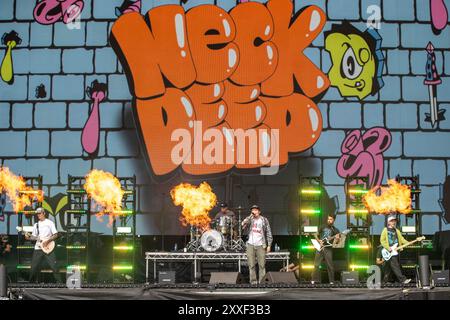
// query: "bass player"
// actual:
[[43, 229]]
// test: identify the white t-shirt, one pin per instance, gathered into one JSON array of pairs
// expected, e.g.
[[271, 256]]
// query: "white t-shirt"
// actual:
[[255, 236], [46, 229]]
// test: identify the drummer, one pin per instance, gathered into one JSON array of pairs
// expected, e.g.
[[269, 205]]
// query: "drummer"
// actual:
[[224, 212]]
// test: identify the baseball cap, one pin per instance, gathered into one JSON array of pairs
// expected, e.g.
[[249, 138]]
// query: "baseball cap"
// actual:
[[391, 217], [254, 207]]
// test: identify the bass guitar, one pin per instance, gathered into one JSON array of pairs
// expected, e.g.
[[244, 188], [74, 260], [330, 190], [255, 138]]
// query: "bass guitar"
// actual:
[[396, 248], [40, 240], [326, 242]]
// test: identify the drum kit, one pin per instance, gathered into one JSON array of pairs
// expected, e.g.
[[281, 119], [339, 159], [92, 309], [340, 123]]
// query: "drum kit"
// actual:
[[224, 234]]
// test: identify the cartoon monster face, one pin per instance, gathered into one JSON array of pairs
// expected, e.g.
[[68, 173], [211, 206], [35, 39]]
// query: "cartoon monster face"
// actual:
[[354, 67]]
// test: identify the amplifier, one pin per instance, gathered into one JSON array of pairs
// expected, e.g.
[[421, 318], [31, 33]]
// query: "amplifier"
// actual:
[[441, 277], [166, 277], [350, 277]]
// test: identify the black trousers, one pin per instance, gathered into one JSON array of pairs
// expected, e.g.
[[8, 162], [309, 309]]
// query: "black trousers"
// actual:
[[327, 254], [36, 264], [392, 267]]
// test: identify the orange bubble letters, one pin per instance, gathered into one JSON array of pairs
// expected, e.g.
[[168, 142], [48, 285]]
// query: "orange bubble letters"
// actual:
[[217, 90]]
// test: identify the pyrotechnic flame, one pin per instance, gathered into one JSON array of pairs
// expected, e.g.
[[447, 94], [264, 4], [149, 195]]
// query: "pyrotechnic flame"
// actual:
[[394, 198], [196, 202], [17, 191], [106, 191]]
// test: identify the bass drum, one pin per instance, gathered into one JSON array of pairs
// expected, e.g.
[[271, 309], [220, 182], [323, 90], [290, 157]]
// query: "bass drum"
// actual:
[[211, 240]]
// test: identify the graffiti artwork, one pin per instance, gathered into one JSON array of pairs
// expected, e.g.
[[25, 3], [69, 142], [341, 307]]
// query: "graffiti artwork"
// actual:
[[362, 154], [432, 80], [40, 92], [439, 15], [357, 60], [51, 11], [91, 131], [129, 6], [10, 40], [444, 199], [237, 78]]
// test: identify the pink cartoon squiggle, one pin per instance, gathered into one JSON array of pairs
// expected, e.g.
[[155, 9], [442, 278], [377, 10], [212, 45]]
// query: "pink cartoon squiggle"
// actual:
[[91, 132], [51, 11], [362, 154]]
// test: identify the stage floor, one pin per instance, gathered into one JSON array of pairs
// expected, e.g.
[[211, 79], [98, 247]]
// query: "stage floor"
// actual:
[[135, 292]]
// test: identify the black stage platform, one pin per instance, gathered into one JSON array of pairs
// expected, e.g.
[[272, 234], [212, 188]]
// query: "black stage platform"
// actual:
[[225, 292]]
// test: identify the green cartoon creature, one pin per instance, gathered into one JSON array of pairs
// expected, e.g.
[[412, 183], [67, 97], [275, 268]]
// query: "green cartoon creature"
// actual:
[[357, 60]]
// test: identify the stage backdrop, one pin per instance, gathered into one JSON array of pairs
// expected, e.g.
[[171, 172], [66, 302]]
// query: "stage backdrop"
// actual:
[[347, 82]]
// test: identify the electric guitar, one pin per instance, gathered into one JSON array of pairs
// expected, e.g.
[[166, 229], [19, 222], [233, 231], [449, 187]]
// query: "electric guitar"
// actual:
[[396, 248], [326, 241], [46, 249]]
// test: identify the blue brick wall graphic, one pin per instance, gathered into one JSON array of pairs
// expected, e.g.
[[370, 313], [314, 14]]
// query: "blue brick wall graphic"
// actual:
[[43, 112]]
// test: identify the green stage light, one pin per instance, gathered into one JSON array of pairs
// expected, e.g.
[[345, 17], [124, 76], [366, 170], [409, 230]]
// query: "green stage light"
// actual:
[[21, 266], [409, 266], [75, 247], [29, 191], [307, 247], [124, 212], [358, 211], [123, 248], [73, 266], [24, 247], [307, 266], [356, 266], [122, 267], [357, 191], [359, 246], [76, 211], [76, 191], [311, 191], [310, 211], [28, 211]]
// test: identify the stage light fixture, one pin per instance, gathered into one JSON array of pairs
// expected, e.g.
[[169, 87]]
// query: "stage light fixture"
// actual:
[[123, 230], [122, 212], [359, 246], [409, 229], [25, 247], [76, 211], [21, 267], [357, 191], [358, 211], [307, 247], [123, 248], [310, 229], [307, 266], [311, 191], [81, 267], [310, 211], [124, 267], [355, 266], [28, 211], [76, 191], [75, 247]]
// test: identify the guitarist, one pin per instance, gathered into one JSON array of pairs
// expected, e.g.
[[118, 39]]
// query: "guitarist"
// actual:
[[327, 252], [44, 228], [389, 237]]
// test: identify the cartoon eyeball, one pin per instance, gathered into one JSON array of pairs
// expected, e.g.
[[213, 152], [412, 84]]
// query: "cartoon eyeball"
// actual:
[[356, 61]]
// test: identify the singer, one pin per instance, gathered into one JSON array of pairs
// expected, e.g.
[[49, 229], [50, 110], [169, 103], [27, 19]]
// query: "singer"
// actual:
[[259, 242]]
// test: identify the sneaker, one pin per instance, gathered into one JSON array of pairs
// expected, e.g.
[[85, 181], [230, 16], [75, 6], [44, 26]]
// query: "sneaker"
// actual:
[[407, 281]]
